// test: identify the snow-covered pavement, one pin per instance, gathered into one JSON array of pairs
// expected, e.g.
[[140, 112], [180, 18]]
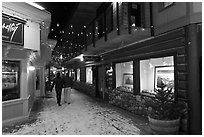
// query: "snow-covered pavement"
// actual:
[[84, 116]]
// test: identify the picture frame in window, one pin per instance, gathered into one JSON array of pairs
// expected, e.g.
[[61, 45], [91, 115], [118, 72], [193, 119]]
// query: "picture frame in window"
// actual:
[[128, 79], [165, 75]]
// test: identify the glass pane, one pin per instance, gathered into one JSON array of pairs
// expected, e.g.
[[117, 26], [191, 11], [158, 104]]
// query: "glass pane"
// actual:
[[89, 75], [89, 35], [10, 80], [154, 71], [109, 19], [124, 76]]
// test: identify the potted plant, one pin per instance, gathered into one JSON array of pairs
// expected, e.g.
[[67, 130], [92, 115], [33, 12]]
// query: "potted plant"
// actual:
[[164, 117]]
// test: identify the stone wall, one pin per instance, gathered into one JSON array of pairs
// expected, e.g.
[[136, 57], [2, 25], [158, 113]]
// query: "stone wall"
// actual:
[[129, 101], [137, 104], [88, 89]]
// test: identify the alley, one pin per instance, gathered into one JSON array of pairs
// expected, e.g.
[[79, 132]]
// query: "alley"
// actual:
[[84, 116]]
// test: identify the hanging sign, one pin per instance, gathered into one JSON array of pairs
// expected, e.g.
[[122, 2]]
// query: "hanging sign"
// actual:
[[12, 31]]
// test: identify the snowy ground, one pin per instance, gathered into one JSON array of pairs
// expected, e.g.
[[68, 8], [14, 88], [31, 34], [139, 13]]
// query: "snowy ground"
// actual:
[[84, 116]]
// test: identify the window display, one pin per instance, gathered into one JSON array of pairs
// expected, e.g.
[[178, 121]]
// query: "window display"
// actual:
[[124, 76], [155, 71], [78, 74], [10, 80], [89, 75], [164, 75]]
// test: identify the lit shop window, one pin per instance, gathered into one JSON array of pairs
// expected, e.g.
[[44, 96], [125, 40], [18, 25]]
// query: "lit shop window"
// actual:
[[156, 71], [89, 75], [124, 76], [10, 80], [78, 74]]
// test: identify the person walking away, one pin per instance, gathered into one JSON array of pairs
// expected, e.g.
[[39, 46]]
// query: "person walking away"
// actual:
[[58, 82], [68, 82]]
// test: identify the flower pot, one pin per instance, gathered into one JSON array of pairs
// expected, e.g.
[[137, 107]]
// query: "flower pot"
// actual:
[[184, 124], [164, 127]]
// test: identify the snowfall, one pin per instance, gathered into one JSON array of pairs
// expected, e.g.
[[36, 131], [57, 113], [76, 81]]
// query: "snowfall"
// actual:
[[84, 116]]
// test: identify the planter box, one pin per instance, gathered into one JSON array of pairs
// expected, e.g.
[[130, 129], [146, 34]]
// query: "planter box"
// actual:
[[164, 127]]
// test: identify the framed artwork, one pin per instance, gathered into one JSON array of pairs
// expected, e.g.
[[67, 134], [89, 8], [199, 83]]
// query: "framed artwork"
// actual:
[[128, 79], [165, 75]]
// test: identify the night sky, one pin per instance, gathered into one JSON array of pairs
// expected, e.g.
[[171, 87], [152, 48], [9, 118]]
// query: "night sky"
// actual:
[[61, 14]]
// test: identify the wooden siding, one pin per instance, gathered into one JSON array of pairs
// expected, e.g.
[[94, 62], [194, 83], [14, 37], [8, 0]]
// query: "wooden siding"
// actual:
[[12, 109]]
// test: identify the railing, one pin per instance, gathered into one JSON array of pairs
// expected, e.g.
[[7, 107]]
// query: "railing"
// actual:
[[128, 16]]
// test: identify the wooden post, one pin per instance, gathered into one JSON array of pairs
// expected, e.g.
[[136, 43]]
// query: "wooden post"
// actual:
[[136, 76], [93, 33], [129, 17], [118, 18], [194, 81]]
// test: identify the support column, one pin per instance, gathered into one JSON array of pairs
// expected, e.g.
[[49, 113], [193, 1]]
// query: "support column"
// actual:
[[42, 81], [194, 80], [136, 76]]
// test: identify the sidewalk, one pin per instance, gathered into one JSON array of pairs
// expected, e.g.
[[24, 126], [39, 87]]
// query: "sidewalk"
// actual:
[[84, 116]]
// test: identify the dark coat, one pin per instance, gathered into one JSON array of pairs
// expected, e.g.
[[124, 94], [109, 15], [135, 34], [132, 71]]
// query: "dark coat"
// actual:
[[58, 82]]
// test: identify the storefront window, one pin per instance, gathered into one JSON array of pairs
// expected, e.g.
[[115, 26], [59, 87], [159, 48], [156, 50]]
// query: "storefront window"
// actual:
[[124, 76], [89, 75], [10, 80], [155, 71], [78, 74], [108, 77]]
